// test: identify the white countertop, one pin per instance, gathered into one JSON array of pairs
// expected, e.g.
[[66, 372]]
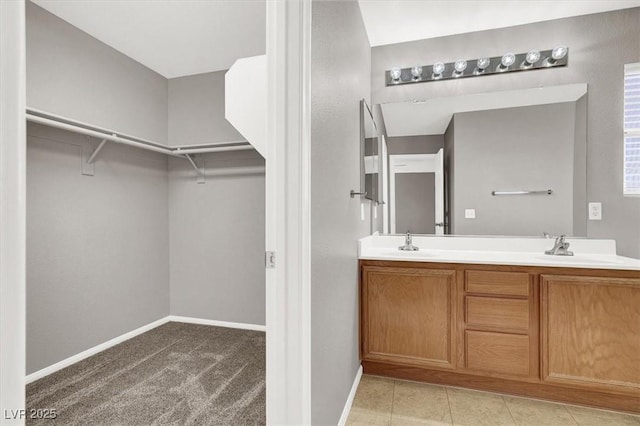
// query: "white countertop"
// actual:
[[588, 253]]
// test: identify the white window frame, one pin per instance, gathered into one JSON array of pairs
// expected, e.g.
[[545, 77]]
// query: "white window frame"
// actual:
[[633, 68]]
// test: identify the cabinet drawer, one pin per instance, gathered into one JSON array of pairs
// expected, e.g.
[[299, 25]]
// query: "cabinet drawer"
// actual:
[[507, 314], [502, 283], [497, 352]]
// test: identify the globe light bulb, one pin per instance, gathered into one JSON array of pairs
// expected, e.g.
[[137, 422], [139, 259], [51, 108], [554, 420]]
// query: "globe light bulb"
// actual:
[[460, 66], [508, 59], [395, 74], [438, 69], [483, 63], [416, 72], [532, 57], [559, 52]]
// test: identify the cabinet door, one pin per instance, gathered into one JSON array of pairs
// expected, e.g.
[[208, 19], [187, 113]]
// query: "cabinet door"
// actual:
[[591, 332], [408, 316]]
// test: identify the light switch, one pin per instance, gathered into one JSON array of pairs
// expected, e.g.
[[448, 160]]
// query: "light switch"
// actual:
[[470, 213], [595, 211]]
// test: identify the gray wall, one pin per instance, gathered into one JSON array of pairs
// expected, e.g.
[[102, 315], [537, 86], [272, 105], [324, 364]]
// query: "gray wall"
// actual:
[[217, 232], [196, 110], [425, 144], [97, 246], [493, 152], [340, 69], [70, 73], [599, 46], [217, 229]]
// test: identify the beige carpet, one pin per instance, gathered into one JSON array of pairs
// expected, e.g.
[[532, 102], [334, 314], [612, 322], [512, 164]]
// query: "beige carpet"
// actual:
[[176, 374]]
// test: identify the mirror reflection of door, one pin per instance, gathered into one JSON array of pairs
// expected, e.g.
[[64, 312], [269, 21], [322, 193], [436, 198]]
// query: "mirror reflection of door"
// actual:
[[416, 193]]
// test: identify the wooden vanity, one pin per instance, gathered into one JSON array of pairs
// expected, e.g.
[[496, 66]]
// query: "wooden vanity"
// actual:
[[558, 333]]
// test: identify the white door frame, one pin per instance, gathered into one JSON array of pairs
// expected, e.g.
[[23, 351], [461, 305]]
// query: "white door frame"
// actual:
[[288, 379], [417, 163], [13, 162], [288, 218], [385, 186]]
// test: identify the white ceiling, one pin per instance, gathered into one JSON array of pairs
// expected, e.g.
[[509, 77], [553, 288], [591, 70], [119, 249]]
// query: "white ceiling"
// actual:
[[185, 37], [172, 37], [397, 21], [431, 117]]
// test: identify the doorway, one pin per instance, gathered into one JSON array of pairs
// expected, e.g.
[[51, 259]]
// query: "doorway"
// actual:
[[416, 193]]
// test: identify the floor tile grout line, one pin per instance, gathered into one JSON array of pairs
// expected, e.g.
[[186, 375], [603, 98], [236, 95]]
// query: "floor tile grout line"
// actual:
[[570, 414], [393, 397], [504, 401], [446, 391]]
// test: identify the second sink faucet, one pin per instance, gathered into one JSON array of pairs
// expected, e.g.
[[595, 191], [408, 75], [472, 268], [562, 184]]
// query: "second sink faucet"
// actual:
[[560, 247], [408, 244]]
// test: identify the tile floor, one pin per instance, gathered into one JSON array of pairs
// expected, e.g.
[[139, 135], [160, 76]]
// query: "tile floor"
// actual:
[[383, 401]]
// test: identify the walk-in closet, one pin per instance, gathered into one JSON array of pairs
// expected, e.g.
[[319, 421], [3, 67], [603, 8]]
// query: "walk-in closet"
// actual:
[[145, 212]]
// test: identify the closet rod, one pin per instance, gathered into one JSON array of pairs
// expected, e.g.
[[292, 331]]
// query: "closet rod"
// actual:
[[82, 124], [213, 149], [113, 137], [213, 144], [64, 123]]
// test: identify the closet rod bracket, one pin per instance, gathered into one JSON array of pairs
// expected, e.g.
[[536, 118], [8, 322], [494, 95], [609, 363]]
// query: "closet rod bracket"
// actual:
[[96, 152], [200, 170]]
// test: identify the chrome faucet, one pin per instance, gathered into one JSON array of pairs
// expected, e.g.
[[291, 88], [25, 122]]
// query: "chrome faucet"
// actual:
[[408, 245], [560, 247]]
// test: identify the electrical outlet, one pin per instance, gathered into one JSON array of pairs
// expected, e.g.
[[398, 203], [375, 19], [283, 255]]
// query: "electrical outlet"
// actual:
[[470, 213], [595, 211]]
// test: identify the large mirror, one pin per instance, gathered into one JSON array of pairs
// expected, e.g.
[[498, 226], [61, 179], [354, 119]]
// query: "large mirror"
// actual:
[[501, 163]]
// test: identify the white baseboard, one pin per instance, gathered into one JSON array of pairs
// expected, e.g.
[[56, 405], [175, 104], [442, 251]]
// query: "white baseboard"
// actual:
[[243, 326], [106, 345], [350, 398], [92, 351]]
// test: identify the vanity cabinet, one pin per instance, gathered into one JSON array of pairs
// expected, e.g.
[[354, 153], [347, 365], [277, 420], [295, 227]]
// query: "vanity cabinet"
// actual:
[[564, 334]]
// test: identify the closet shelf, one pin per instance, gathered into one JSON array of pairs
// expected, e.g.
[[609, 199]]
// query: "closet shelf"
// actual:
[[64, 123]]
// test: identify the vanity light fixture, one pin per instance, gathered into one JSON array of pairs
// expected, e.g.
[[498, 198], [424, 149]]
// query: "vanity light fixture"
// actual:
[[462, 68]]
